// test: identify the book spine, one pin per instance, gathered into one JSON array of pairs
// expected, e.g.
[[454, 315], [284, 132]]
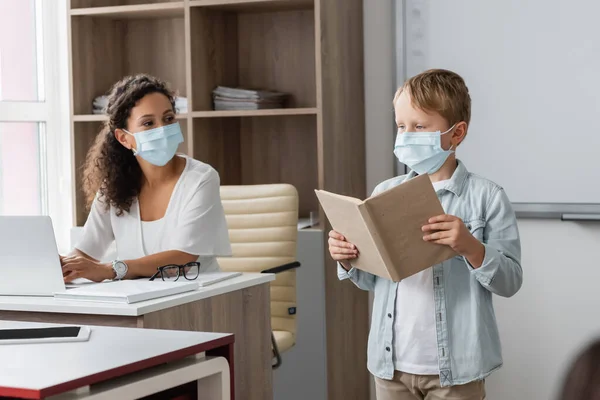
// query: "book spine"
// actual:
[[372, 228]]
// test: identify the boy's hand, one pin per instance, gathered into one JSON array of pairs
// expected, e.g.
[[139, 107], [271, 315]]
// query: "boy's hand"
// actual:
[[341, 250], [451, 231]]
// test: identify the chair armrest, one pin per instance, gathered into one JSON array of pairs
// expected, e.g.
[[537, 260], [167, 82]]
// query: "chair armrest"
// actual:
[[281, 268]]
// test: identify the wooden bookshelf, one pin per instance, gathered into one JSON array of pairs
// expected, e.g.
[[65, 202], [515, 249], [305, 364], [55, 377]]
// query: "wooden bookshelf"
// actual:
[[311, 49]]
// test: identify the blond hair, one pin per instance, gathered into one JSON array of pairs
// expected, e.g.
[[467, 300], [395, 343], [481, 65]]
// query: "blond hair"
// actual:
[[441, 91]]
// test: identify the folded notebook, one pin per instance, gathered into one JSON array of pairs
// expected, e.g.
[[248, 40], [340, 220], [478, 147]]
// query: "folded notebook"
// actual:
[[127, 291], [210, 278]]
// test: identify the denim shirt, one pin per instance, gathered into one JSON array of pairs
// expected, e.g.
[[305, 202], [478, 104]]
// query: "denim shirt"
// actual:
[[467, 335]]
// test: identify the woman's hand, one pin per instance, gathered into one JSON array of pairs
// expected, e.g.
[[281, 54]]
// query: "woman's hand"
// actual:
[[80, 267], [451, 231], [341, 250]]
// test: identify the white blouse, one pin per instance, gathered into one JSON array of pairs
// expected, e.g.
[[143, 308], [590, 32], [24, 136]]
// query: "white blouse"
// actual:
[[151, 231], [193, 223]]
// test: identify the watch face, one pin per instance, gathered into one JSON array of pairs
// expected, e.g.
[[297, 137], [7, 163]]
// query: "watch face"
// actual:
[[120, 268]]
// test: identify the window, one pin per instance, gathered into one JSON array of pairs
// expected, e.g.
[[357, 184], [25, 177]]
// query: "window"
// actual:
[[34, 136]]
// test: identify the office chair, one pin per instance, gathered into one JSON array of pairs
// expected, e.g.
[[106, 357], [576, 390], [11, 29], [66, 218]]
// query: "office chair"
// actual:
[[263, 230]]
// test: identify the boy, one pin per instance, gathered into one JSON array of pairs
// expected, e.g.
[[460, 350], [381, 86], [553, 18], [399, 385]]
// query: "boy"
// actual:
[[434, 334]]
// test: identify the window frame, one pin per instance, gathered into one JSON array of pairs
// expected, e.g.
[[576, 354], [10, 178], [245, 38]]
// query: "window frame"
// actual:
[[53, 111]]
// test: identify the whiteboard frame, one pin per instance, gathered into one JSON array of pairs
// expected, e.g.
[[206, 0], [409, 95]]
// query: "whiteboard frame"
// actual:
[[562, 211]]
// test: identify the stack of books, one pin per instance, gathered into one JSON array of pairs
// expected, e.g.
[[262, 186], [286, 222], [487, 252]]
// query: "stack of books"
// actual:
[[226, 98]]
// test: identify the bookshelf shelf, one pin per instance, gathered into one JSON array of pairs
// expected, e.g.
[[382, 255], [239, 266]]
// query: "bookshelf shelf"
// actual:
[[254, 5], [101, 117], [159, 10], [254, 113]]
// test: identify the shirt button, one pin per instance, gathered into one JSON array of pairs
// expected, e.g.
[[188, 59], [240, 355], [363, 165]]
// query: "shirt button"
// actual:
[[387, 349], [389, 315]]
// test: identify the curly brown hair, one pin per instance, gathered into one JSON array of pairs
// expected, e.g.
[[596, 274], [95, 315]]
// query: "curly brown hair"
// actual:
[[111, 171]]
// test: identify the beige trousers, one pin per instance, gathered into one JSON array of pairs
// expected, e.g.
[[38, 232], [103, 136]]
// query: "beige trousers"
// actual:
[[405, 386]]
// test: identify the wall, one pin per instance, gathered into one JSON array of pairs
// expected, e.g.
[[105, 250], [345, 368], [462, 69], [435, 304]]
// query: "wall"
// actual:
[[555, 313], [379, 90]]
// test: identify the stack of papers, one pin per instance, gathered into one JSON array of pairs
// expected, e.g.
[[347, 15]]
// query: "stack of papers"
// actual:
[[210, 278], [226, 98], [133, 291], [127, 291]]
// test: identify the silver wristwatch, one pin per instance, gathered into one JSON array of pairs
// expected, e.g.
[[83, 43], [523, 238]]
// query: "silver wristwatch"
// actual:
[[120, 268]]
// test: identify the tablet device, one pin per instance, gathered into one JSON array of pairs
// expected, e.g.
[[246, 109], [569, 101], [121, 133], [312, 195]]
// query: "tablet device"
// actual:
[[45, 335]]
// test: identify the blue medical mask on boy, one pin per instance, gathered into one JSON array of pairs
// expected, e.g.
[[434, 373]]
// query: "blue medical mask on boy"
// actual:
[[422, 151], [159, 145]]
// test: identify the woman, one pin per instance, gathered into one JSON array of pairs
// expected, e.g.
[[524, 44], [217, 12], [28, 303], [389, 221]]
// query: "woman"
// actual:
[[160, 208], [583, 380]]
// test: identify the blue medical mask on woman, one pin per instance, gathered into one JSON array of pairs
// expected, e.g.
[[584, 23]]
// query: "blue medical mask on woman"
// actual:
[[159, 145], [422, 151]]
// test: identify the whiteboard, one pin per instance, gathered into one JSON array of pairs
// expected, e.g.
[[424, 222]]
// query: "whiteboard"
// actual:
[[533, 72]]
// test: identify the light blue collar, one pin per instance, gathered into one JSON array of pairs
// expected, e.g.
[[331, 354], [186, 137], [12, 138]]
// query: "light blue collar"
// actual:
[[456, 184]]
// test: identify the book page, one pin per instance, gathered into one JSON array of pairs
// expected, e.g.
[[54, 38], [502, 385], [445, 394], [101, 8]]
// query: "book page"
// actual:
[[345, 218], [397, 215]]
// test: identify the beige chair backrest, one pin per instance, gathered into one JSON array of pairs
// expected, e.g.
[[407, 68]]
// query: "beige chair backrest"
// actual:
[[263, 229]]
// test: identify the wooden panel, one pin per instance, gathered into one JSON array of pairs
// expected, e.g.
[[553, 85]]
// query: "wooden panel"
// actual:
[[281, 150], [277, 52], [255, 113], [97, 59], [214, 54], [81, 319], [84, 134], [104, 51], [254, 5], [217, 142], [108, 3], [245, 313], [157, 47], [343, 171]]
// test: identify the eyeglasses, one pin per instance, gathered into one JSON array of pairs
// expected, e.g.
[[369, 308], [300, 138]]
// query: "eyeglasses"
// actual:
[[172, 272]]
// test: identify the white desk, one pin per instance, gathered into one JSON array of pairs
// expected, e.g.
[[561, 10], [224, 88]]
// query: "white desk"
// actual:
[[49, 304], [240, 305], [121, 363]]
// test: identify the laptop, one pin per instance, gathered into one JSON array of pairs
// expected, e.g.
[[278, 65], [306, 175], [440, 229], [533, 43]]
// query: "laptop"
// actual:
[[29, 261]]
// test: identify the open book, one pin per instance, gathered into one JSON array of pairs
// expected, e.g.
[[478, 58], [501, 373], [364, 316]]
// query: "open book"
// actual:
[[386, 228]]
